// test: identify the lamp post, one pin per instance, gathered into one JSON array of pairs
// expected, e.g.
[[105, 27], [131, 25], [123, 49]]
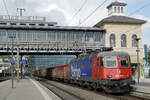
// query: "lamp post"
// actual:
[[18, 62], [138, 63], [12, 70]]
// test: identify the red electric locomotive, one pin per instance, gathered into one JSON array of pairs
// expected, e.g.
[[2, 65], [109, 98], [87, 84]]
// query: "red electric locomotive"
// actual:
[[114, 71], [110, 71]]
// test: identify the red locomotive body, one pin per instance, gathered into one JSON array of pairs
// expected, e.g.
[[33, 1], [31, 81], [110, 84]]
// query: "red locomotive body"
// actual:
[[114, 71], [111, 67], [110, 71]]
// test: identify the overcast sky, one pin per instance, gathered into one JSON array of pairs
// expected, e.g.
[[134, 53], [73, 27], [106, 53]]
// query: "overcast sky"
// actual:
[[62, 11]]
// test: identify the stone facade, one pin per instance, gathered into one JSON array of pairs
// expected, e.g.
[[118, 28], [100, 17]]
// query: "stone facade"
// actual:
[[129, 30], [122, 31]]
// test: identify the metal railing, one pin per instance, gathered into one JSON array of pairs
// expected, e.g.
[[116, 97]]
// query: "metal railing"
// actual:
[[50, 46]]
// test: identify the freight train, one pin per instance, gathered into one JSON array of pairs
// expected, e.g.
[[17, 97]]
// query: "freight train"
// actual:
[[110, 71]]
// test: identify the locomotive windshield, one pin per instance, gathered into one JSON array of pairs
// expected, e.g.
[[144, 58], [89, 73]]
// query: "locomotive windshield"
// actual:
[[124, 61], [110, 62]]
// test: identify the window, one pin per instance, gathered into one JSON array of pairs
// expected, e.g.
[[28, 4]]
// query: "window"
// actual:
[[22, 35], [3, 35], [118, 9], [102, 63], [12, 34], [123, 41], [13, 24], [22, 23], [70, 36], [61, 36], [134, 42], [121, 9], [41, 35], [41, 24], [98, 62], [32, 24], [98, 36], [51, 35], [124, 61], [115, 9], [110, 62], [112, 40], [1, 23], [79, 36], [89, 36]]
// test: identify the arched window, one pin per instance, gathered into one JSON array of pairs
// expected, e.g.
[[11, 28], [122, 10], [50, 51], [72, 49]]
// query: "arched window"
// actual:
[[115, 9], [121, 9], [134, 43], [112, 40], [118, 9], [123, 40]]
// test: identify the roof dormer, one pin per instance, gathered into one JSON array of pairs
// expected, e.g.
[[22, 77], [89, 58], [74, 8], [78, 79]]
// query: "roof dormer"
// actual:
[[116, 9]]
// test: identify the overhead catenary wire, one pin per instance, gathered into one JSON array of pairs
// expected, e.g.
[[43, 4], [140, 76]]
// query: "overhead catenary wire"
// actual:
[[144, 6], [78, 11], [134, 29], [6, 8], [16, 3], [93, 12], [23, 3]]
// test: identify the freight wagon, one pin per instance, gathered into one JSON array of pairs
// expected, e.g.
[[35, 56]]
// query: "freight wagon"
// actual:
[[110, 71]]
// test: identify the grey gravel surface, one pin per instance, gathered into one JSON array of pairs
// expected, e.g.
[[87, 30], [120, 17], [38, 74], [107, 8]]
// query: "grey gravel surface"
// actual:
[[85, 94]]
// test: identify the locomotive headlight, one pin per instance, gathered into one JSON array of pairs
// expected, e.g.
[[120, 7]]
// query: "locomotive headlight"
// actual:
[[109, 76], [119, 71]]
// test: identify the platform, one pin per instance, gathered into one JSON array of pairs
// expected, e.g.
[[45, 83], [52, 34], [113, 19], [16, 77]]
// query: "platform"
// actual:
[[25, 89], [143, 86]]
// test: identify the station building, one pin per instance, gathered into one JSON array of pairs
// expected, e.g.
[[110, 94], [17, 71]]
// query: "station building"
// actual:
[[42, 40], [122, 31], [117, 31]]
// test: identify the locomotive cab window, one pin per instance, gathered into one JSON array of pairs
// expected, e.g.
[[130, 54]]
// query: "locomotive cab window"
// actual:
[[102, 63], [110, 62], [98, 62], [124, 61]]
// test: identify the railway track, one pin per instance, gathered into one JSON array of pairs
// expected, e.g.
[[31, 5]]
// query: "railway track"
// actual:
[[79, 93], [64, 95], [142, 95]]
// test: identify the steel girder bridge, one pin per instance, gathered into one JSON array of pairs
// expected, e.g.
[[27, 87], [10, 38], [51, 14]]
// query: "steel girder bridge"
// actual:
[[38, 39]]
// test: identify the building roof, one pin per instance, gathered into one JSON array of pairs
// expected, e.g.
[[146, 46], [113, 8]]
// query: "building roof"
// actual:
[[113, 53], [24, 20], [120, 19], [38, 23], [45, 26], [116, 4]]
